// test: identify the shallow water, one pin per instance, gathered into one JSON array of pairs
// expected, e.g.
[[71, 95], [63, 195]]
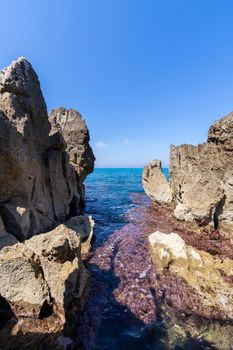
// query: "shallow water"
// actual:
[[122, 311]]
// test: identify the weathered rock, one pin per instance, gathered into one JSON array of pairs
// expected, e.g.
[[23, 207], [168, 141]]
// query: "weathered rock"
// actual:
[[39, 186], [72, 126], [155, 183], [209, 276], [197, 182], [83, 226], [201, 179], [45, 276], [6, 239]]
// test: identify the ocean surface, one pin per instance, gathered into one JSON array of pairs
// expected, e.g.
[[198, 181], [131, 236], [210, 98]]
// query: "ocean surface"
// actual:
[[108, 196], [109, 199], [121, 312]]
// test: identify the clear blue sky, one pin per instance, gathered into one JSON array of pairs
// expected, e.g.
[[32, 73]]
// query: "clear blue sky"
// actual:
[[144, 74]]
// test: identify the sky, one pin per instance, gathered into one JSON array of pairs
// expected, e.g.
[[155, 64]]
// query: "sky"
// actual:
[[143, 73]]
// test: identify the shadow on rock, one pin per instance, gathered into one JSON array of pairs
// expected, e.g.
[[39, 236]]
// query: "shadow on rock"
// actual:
[[50, 331], [105, 323]]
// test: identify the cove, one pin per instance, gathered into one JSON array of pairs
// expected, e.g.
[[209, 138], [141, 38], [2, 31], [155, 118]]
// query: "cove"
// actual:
[[123, 310]]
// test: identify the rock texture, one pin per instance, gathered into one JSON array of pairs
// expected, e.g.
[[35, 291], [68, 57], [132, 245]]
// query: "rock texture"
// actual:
[[49, 265], [73, 127], [209, 276], [39, 186], [43, 282], [201, 179], [155, 183]]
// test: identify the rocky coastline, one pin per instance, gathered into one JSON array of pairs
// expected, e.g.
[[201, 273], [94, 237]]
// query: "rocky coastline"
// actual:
[[191, 246], [165, 275], [44, 162]]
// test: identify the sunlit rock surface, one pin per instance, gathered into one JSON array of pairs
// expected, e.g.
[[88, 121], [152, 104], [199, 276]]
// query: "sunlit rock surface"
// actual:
[[39, 186], [134, 304], [201, 179], [208, 275], [43, 282], [155, 183]]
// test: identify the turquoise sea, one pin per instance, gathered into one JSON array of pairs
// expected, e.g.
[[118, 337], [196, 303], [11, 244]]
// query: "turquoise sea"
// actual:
[[109, 194], [108, 197]]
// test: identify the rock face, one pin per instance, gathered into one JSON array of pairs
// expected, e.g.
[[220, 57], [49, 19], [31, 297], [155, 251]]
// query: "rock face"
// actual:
[[49, 266], [155, 183], [74, 130], [70, 124], [201, 179], [43, 281], [39, 186], [209, 276]]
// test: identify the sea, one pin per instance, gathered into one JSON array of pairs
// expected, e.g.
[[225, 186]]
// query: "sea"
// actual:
[[108, 196], [112, 318]]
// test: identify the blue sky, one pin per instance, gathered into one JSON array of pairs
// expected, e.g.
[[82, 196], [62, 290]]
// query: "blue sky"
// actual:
[[144, 74]]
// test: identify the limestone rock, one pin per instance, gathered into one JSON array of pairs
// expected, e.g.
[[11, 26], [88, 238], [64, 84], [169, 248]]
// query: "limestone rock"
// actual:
[[201, 179], [44, 274], [83, 226], [39, 186], [209, 276], [221, 132], [155, 183], [197, 175], [73, 127]]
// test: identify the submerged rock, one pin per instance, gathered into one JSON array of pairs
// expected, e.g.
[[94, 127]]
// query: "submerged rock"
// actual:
[[201, 179], [210, 277]]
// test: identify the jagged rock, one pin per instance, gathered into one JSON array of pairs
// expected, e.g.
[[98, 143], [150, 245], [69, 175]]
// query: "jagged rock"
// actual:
[[45, 276], [201, 179], [210, 277], [83, 226], [39, 186], [73, 127], [155, 183], [221, 132]]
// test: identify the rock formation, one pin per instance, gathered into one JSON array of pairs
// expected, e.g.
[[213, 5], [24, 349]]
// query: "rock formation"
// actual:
[[40, 187], [210, 277], [201, 179], [68, 122], [43, 281], [155, 183]]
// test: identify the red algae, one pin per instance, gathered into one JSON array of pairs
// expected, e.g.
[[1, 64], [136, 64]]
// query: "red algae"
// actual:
[[126, 286]]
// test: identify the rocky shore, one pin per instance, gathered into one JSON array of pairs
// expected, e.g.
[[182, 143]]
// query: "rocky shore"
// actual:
[[160, 277], [44, 162], [191, 243]]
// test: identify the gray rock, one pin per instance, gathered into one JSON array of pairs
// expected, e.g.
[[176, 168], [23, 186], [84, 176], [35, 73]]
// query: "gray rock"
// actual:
[[155, 183], [39, 186], [44, 271], [201, 179]]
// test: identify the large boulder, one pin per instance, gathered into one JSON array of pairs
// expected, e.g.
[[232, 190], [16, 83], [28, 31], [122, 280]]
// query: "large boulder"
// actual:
[[39, 186], [201, 179], [208, 276], [44, 276]]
